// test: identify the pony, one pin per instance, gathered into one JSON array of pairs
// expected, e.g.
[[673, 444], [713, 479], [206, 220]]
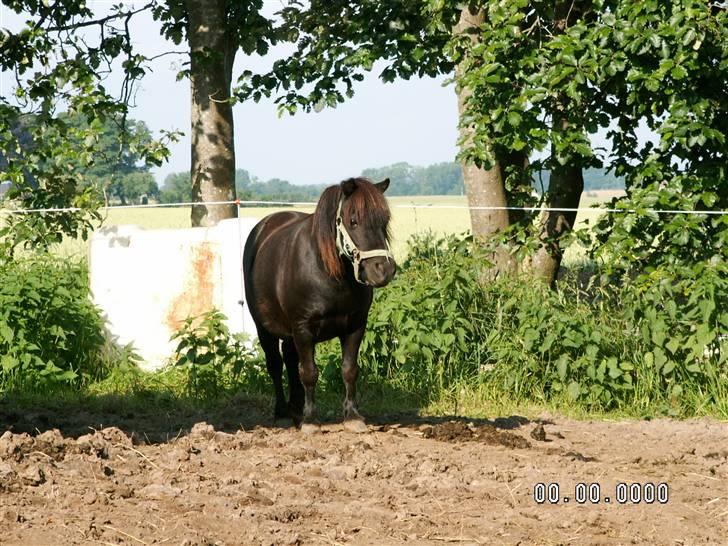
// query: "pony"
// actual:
[[311, 277]]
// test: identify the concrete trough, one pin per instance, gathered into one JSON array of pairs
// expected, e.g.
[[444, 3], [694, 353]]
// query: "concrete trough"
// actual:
[[147, 282]]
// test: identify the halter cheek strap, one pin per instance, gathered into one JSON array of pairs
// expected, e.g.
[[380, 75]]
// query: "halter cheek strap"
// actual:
[[348, 248]]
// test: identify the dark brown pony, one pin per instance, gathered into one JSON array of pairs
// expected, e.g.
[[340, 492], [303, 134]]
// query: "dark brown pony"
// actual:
[[310, 278]]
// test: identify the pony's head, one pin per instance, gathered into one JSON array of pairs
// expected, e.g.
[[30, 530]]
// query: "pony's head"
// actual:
[[351, 222]]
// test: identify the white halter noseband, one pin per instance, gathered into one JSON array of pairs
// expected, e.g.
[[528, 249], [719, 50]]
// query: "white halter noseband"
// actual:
[[348, 248]]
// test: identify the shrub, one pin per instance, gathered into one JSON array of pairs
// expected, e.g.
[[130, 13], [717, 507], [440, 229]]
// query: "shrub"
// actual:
[[423, 326], [651, 345], [681, 316], [212, 357], [50, 331]]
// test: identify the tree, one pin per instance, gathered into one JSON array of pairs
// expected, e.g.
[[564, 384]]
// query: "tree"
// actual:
[[540, 76], [437, 179], [214, 30], [176, 188], [668, 72], [60, 78], [115, 170], [118, 170], [132, 186]]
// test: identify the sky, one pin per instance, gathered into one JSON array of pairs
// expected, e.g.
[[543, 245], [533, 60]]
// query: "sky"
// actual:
[[413, 121]]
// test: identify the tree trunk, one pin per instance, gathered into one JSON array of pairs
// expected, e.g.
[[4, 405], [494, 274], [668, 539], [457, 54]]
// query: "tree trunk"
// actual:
[[213, 153], [565, 187], [567, 181], [484, 187]]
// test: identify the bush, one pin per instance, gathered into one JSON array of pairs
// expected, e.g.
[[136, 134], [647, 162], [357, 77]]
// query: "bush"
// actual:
[[50, 331], [212, 358], [425, 327], [653, 345], [681, 315]]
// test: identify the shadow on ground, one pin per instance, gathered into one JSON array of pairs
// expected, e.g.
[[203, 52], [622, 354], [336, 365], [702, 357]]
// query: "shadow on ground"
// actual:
[[152, 421]]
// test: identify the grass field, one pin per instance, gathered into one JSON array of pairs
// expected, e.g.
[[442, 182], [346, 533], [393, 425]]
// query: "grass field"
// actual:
[[410, 216]]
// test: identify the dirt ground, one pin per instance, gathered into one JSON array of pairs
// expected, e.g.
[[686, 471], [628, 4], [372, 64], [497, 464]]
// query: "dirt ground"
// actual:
[[408, 480]]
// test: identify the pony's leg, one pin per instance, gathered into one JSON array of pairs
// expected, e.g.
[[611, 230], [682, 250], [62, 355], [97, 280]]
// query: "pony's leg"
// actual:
[[309, 375], [296, 394], [353, 421], [274, 363]]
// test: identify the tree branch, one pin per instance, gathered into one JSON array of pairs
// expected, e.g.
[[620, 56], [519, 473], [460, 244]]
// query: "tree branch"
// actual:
[[101, 21]]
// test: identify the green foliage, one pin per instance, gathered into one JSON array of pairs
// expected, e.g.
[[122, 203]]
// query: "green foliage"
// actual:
[[672, 60], [119, 169], [209, 353], [423, 326], [436, 179], [682, 319], [594, 179], [131, 187], [177, 188], [338, 41], [39, 163], [52, 128], [50, 332], [651, 346], [246, 27]]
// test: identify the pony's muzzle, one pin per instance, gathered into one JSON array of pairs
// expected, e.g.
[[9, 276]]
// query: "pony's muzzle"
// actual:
[[378, 270]]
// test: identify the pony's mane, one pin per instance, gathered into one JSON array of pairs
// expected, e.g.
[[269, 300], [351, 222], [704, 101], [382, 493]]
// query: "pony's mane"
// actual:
[[371, 208]]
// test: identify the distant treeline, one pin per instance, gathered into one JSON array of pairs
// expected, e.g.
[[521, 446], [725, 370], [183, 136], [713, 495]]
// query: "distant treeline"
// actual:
[[438, 179], [122, 177], [177, 189]]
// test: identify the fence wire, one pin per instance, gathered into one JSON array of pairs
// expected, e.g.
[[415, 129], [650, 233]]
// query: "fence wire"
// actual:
[[241, 203]]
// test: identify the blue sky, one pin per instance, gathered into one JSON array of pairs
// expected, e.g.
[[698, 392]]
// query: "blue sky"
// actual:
[[413, 121]]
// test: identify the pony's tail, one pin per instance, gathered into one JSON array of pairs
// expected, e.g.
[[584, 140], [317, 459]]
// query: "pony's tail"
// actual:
[[324, 230]]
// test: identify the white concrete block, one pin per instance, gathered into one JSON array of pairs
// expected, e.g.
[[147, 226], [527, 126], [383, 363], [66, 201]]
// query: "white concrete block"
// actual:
[[148, 282]]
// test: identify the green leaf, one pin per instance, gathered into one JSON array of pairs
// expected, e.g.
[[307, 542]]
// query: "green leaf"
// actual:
[[562, 365], [673, 345], [614, 371], [573, 390], [6, 333], [8, 362], [514, 118]]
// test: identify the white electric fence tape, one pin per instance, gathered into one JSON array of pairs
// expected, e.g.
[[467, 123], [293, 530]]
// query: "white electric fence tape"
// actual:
[[410, 206]]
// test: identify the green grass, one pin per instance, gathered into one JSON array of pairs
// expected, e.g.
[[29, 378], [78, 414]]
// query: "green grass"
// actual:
[[158, 404]]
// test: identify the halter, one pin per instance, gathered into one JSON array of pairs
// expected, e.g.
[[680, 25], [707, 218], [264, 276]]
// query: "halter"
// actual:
[[348, 248]]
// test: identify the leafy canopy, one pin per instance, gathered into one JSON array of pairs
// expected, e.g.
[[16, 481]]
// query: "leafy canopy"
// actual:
[[60, 59], [545, 77]]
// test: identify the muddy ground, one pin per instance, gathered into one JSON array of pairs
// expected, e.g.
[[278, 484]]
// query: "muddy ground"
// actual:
[[159, 480]]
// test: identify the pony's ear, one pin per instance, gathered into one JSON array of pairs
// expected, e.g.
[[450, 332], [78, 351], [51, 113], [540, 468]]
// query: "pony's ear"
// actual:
[[383, 185], [348, 186]]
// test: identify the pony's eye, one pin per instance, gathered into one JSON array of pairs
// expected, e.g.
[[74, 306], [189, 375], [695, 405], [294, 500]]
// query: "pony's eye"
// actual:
[[354, 223]]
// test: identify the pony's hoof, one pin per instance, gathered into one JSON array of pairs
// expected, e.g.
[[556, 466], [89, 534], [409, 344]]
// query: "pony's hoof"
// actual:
[[310, 428], [284, 422], [355, 425], [281, 412]]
